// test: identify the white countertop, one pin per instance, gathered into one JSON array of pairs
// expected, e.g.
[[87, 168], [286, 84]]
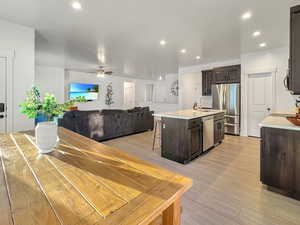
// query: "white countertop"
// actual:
[[188, 114], [278, 122]]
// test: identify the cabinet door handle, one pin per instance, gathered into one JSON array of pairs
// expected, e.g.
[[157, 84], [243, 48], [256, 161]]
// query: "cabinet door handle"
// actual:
[[285, 82]]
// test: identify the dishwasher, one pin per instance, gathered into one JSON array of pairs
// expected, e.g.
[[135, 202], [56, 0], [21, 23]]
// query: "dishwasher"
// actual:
[[208, 132]]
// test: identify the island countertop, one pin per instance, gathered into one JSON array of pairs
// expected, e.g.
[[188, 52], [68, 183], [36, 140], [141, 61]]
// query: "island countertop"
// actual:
[[279, 122], [188, 114], [83, 182]]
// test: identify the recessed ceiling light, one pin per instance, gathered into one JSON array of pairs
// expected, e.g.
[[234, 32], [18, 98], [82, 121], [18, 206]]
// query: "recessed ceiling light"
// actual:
[[198, 57], [183, 51], [256, 33], [262, 45], [246, 15], [163, 42], [76, 5], [160, 78]]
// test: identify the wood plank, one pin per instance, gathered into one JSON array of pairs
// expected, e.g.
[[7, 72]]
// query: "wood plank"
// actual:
[[28, 203], [123, 180], [5, 210], [172, 215], [118, 167], [102, 175], [155, 201], [102, 152], [69, 205], [157, 221]]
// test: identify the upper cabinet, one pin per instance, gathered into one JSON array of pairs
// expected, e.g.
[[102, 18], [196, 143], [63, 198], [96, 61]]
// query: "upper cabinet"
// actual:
[[227, 74], [207, 78], [293, 79], [221, 75]]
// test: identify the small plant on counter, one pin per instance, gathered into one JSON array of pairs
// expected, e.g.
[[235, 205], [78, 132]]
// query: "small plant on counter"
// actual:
[[33, 105]]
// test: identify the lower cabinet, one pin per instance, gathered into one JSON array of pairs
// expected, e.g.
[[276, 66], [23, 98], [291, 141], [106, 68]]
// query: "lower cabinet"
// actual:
[[280, 160], [218, 131], [195, 140], [181, 139]]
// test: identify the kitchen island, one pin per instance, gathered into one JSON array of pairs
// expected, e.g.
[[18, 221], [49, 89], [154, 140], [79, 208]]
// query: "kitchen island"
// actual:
[[280, 155], [186, 134]]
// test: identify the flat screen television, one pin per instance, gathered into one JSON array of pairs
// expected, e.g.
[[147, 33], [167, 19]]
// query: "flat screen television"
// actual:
[[89, 91]]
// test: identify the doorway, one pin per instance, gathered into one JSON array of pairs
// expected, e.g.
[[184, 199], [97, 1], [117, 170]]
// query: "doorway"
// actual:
[[260, 101], [129, 94], [3, 96]]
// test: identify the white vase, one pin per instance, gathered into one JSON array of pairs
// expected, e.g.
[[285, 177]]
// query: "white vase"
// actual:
[[46, 136]]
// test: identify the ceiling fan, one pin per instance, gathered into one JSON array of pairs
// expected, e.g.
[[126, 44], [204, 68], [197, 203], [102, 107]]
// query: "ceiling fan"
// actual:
[[101, 71]]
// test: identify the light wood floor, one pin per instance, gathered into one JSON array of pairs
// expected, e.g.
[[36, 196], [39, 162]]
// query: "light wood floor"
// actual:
[[226, 189]]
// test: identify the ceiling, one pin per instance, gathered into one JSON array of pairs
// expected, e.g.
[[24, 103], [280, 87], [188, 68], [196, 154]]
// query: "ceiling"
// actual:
[[126, 34]]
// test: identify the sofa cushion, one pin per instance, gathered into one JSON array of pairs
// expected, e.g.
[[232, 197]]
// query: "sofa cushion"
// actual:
[[145, 109], [89, 124], [139, 109], [111, 111]]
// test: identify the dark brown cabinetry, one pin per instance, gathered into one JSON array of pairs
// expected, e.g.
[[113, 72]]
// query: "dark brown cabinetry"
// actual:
[[221, 75], [280, 160], [195, 140], [218, 131], [293, 80], [181, 139], [207, 79], [227, 74]]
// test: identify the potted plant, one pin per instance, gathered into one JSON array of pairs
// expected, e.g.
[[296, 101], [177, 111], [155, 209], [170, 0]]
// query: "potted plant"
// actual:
[[48, 109]]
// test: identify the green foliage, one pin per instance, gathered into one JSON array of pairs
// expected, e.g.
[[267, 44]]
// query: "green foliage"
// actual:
[[109, 95], [33, 104]]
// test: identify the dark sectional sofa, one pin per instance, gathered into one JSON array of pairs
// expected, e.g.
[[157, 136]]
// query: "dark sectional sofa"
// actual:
[[109, 123]]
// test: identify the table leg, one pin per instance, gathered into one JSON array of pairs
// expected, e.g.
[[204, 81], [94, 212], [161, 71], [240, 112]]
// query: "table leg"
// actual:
[[172, 215]]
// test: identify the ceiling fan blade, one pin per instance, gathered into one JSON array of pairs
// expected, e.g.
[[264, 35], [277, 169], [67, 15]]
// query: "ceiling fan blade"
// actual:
[[109, 72]]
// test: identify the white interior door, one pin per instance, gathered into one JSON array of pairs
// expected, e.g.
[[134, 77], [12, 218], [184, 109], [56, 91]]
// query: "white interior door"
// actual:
[[3, 122], [260, 99], [129, 94]]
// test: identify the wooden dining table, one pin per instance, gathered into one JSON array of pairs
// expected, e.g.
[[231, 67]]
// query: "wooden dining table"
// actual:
[[83, 182]]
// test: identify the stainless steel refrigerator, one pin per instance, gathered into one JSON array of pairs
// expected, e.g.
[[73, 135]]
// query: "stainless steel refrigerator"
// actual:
[[227, 97]]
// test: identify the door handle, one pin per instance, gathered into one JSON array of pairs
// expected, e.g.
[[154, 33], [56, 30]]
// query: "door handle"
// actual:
[[2, 116]]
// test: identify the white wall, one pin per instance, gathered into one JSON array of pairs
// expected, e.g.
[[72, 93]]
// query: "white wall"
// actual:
[[56, 80], [163, 90], [274, 61], [21, 40], [118, 89], [51, 80]]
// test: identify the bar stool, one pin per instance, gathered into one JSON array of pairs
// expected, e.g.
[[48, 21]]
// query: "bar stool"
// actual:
[[157, 132]]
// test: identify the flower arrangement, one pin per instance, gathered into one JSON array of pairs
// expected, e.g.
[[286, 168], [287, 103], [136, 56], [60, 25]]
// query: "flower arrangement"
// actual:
[[33, 105]]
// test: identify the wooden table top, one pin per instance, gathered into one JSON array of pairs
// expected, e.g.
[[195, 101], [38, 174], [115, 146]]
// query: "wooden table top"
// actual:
[[83, 182]]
